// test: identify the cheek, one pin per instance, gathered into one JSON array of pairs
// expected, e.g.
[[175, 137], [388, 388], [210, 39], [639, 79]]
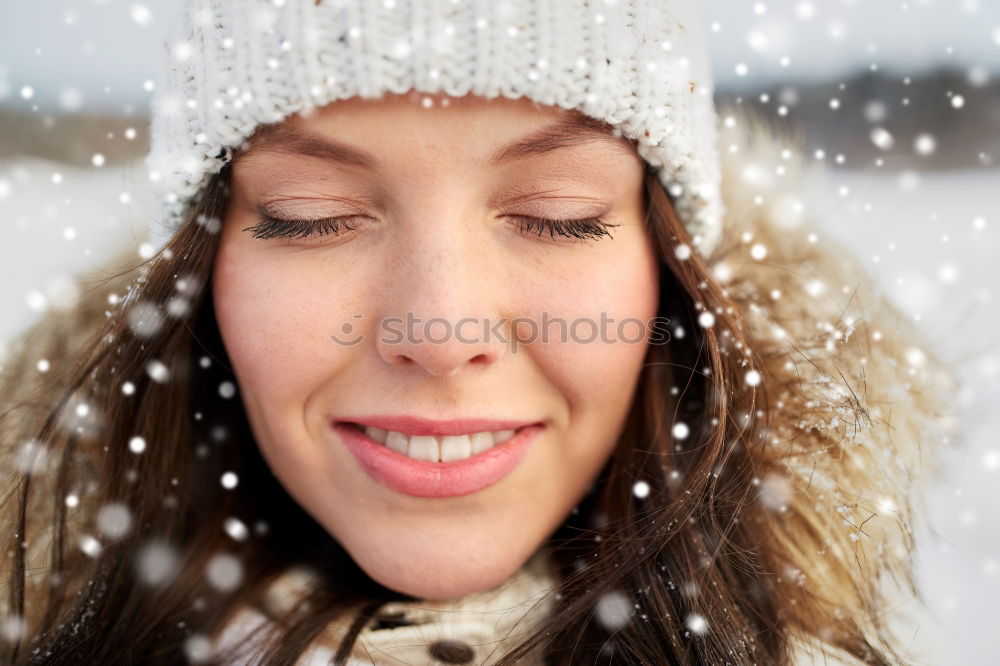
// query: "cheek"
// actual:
[[591, 365], [599, 317], [248, 306], [275, 331]]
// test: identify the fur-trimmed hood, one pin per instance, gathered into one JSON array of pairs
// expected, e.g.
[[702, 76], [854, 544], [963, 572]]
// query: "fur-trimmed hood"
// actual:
[[837, 359]]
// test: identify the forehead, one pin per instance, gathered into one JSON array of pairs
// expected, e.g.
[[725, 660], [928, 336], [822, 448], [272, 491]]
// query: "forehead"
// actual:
[[497, 130]]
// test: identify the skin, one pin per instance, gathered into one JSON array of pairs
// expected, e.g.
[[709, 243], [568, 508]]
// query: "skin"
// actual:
[[437, 238]]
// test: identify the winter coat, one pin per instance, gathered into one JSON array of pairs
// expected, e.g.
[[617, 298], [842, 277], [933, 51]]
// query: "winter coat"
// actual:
[[828, 332]]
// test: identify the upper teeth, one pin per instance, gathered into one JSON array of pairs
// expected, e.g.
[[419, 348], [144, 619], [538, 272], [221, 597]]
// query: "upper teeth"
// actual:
[[445, 448]]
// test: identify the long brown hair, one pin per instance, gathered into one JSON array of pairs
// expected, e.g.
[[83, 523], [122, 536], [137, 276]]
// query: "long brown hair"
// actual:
[[725, 560]]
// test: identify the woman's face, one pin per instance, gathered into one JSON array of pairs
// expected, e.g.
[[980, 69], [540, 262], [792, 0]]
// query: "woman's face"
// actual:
[[408, 310]]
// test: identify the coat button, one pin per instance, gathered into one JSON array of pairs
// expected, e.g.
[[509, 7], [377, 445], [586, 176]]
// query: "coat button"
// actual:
[[391, 621], [452, 652]]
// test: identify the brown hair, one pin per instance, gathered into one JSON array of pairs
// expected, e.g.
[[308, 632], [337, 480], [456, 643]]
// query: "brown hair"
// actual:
[[729, 532]]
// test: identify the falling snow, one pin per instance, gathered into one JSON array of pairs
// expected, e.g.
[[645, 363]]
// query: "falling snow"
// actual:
[[229, 480], [90, 545], [613, 610], [157, 563], [157, 371], [236, 529], [696, 623], [141, 14], [775, 492], [198, 648], [32, 458], [224, 572], [12, 628], [114, 520], [144, 318]]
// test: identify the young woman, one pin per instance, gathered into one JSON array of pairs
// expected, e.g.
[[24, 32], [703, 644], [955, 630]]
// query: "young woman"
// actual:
[[475, 373]]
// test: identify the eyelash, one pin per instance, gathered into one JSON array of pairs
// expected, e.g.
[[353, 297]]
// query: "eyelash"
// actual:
[[272, 227]]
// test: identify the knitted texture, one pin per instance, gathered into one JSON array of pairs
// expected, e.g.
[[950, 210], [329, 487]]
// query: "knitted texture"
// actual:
[[640, 65]]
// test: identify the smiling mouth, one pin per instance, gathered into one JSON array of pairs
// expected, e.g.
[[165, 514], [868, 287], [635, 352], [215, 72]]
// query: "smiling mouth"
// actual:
[[438, 465], [436, 448]]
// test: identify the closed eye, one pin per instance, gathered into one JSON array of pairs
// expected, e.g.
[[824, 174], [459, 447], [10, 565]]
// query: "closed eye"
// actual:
[[587, 228], [273, 227], [591, 228]]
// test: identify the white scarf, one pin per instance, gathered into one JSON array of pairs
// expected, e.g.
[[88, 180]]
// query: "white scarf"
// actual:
[[477, 628]]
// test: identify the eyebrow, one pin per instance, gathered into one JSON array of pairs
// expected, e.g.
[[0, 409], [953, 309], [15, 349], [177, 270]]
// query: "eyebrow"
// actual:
[[574, 130]]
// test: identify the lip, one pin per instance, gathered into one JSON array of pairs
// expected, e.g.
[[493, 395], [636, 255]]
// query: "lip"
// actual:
[[422, 478], [414, 425]]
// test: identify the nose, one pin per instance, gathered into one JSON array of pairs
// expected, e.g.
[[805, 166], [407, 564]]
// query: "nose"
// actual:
[[437, 352], [445, 304]]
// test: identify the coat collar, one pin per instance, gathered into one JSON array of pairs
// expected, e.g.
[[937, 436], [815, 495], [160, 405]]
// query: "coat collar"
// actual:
[[473, 629]]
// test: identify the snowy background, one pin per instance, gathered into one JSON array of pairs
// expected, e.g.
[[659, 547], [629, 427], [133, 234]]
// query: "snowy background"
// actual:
[[899, 104]]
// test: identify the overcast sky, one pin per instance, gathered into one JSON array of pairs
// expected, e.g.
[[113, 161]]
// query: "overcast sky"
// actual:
[[70, 51]]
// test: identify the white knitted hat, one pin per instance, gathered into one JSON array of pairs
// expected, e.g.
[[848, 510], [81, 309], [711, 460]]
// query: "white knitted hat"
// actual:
[[641, 66]]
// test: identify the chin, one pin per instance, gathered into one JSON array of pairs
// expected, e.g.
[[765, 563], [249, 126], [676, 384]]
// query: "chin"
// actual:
[[440, 573]]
